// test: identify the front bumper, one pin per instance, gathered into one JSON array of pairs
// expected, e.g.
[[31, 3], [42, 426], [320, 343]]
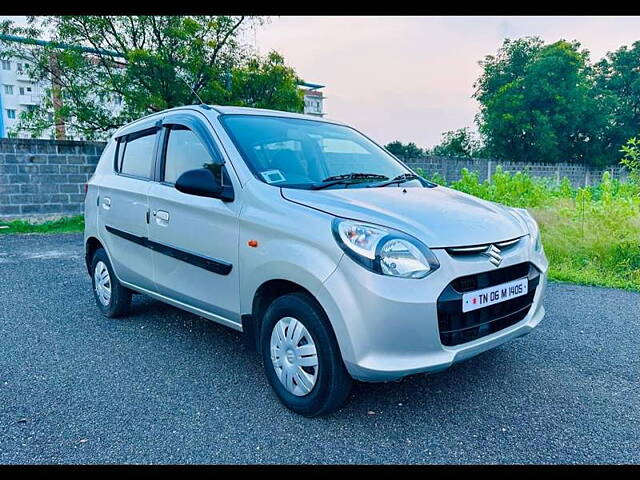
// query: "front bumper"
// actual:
[[387, 327]]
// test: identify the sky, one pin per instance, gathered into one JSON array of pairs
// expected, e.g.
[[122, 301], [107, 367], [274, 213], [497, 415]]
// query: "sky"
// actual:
[[411, 78]]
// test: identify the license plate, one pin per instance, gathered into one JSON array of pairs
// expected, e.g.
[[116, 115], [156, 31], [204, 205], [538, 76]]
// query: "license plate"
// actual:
[[492, 295]]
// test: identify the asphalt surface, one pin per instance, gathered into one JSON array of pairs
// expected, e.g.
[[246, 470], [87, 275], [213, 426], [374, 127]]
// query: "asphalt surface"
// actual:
[[165, 386]]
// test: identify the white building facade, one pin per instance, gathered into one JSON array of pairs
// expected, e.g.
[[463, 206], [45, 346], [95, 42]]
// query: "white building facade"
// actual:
[[313, 99], [18, 93]]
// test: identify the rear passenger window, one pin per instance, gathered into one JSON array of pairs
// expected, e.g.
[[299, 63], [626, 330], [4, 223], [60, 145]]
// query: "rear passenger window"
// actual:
[[185, 152], [137, 157]]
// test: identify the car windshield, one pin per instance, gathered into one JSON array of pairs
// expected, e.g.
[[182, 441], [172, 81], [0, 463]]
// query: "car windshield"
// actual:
[[299, 153]]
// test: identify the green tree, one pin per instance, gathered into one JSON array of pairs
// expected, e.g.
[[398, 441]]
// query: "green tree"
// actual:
[[144, 64], [618, 78], [458, 143], [539, 103], [266, 83], [406, 151], [631, 158]]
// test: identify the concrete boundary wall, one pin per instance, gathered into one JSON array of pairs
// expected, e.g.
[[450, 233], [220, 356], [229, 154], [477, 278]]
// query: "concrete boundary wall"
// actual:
[[46, 178], [578, 174]]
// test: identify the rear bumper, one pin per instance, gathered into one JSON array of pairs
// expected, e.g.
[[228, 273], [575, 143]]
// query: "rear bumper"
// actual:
[[387, 328]]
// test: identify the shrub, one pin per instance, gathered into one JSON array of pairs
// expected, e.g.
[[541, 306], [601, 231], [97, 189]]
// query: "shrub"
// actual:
[[516, 190], [631, 158], [591, 234]]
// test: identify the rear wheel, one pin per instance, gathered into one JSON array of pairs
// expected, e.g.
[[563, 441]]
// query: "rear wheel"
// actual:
[[301, 357], [112, 298]]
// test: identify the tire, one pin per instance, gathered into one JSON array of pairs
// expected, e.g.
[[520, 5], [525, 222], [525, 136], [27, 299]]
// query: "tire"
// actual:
[[330, 382], [112, 298]]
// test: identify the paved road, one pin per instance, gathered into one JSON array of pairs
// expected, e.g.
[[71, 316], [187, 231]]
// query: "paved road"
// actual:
[[167, 386]]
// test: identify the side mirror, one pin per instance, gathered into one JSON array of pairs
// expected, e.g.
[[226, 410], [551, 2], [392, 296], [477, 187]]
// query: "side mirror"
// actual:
[[203, 183]]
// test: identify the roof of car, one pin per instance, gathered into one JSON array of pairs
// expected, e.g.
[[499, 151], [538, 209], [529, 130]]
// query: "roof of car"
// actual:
[[225, 110], [231, 110]]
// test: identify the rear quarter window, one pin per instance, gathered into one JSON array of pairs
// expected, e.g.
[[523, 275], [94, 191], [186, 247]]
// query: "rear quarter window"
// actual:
[[136, 155], [109, 152]]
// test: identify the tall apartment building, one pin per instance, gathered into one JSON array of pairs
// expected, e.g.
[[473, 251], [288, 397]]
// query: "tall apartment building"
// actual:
[[18, 93]]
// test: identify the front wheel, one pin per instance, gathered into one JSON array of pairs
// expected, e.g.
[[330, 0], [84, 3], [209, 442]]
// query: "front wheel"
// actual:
[[301, 356]]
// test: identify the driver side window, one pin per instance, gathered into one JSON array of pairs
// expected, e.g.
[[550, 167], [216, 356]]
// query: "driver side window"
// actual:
[[184, 151]]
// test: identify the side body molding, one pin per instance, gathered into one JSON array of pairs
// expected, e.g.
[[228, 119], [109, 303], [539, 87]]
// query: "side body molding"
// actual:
[[211, 264]]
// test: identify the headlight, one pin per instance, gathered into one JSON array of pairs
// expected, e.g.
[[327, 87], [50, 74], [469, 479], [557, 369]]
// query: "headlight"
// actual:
[[384, 251], [533, 228]]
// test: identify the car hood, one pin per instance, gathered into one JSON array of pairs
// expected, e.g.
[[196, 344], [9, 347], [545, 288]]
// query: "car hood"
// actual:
[[439, 216]]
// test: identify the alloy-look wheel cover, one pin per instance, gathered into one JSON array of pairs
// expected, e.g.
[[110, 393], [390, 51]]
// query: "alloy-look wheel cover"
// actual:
[[294, 356], [102, 282]]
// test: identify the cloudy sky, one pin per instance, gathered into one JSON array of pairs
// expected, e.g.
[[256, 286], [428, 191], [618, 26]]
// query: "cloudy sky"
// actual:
[[411, 78]]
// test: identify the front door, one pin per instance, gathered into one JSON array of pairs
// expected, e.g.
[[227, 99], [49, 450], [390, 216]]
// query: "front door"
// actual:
[[194, 239]]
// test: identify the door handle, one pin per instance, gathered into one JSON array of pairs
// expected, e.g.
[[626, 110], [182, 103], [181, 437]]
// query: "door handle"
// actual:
[[162, 217], [106, 203]]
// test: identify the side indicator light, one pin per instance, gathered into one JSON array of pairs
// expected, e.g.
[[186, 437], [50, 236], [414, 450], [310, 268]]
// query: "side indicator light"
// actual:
[[253, 243]]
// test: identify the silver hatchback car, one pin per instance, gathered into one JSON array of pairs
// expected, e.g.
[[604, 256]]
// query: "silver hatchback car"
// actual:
[[334, 258]]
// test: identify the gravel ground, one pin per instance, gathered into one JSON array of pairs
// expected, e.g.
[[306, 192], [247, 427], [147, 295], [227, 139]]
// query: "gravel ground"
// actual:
[[165, 386]]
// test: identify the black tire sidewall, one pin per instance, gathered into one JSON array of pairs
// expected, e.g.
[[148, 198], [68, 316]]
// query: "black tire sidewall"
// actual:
[[116, 289], [312, 317]]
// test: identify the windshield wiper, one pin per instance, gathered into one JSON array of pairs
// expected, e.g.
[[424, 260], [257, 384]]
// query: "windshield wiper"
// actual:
[[405, 177], [348, 179]]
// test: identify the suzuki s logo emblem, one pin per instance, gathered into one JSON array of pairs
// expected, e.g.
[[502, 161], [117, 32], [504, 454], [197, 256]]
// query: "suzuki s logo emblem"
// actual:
[[493, 253]]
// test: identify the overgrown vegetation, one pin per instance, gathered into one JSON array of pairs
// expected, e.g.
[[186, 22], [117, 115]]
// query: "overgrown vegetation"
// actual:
[[62, 225], [591, 235], [631, 158]]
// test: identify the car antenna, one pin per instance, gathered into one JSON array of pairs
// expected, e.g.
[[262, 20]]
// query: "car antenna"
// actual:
[[190, 87]]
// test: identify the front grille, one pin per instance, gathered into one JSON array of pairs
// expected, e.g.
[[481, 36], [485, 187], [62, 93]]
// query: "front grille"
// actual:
[[491, 278], [476, 249], [457, 327]]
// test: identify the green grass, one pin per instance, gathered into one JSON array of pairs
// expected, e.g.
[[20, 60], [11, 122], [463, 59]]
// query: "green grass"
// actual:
[[599, 247], [591, 235], [63, 225]]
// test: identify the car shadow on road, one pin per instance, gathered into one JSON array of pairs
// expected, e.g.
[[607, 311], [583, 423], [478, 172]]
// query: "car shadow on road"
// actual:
[[208, 333], [426, 395]]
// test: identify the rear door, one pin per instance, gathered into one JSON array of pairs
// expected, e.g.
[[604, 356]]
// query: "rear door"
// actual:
[[123, 207], [195, 239]]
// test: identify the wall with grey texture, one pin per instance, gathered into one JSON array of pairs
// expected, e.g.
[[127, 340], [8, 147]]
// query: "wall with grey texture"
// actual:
[[42, 178], [46, 178], [579, 175]]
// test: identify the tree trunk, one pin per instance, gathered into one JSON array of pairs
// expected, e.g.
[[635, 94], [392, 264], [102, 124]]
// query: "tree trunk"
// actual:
[[56, 90]]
